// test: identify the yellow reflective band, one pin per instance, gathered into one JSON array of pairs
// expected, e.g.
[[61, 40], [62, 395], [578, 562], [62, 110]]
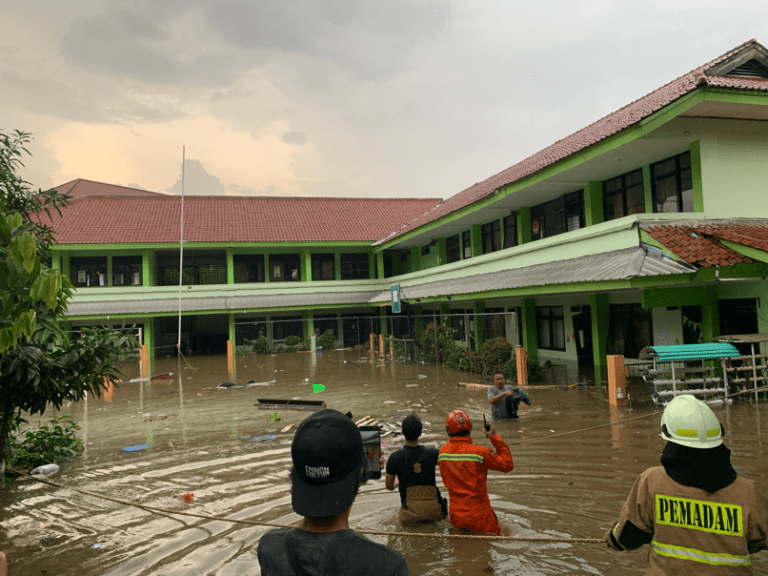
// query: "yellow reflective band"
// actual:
[[711, 558], [687, 433], [460, 457], [714, 432], [713, 517]]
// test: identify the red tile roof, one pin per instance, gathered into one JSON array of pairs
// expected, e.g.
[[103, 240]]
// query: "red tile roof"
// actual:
[[83, 188], [698, 242], [135, 219], [592, 134]]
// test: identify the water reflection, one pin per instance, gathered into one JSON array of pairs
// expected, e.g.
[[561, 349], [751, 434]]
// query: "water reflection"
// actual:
[[204, 441]]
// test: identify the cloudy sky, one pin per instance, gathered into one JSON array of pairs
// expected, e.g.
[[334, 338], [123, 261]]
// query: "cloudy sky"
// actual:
[[363, 98]]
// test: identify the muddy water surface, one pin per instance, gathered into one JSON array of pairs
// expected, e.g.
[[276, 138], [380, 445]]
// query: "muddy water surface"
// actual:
[[210, 443]]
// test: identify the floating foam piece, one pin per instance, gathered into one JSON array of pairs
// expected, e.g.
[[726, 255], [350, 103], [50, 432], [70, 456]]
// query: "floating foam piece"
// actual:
[[317, 388], [264, 438]]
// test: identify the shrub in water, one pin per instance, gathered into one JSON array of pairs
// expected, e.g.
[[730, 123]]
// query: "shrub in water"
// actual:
[[49, 443]]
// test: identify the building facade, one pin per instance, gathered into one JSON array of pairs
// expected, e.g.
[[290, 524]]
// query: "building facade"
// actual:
[[650, 226]]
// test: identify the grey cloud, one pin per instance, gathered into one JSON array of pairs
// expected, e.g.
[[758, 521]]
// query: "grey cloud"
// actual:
[[295, 138], [197, 181], [127, 44], [369, 39]]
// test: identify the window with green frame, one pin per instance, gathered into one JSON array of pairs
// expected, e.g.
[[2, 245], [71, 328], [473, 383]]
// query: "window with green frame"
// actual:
[[453, 248], [672, 184], [624, 195], [550, 322], [491, 233]]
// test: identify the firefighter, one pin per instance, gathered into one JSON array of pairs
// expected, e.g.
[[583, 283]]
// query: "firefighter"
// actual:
[[697, 515], [464, 468]]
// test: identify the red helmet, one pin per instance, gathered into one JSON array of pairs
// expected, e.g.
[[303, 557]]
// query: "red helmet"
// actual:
[[458, 421]]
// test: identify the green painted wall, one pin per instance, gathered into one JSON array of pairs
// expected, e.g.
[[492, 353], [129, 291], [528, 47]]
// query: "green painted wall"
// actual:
[[600, 322], [593, 203], [530, 337]]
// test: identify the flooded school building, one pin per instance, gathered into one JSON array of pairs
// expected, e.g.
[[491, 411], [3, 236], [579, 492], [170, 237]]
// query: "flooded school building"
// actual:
[[647, 227]]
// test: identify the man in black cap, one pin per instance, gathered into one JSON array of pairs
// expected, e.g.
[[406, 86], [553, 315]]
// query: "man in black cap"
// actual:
[[413, 466], [328, 468]]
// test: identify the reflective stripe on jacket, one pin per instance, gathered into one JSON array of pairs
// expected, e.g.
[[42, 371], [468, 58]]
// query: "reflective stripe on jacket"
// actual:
[[691, 531], [464, 468]]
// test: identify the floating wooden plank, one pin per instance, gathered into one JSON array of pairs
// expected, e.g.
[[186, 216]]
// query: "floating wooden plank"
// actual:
[[472, 385], [289, 404]]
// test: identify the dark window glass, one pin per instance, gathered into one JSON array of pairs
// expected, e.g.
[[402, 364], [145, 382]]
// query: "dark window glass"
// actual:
[[510, 231], [557, 216], [248, 267], [673, 184], [354, 266], [200, 267], [551, 327], [458, 323], [282, 327], [453, 248], [89, 271], [623, 195], [323, 267], [630, 329], [491, 237], [326, 322], [126, 271], [284, 268], [495, 326], [466, 244]]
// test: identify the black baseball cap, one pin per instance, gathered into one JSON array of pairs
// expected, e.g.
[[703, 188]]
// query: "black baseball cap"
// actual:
[[327, 453]]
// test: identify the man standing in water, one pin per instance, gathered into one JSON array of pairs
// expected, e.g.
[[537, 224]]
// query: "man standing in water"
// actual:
[[505, 398], [698, 516], [413, 466], [464, 468], [328, 468]]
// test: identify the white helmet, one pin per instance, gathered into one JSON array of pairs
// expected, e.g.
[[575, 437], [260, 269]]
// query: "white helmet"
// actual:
[[689, 422]]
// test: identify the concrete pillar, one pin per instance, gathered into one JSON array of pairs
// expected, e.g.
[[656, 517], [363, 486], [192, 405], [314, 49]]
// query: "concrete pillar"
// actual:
[[617, 387], [710, 316], [524, 225], [593, 203], [476, 232], [230, 267], [521, 361]]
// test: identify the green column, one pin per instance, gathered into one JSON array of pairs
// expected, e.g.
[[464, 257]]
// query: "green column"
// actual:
[[593, 203], [696, 177], [109, 270], [56, 261], [147, 275], [305, 264], [149, 340], [442, 252], [230, 267], [418, 320], [308, 326], [647, 189], [524, 225], [379, 272], [383, 321], [415, 258], [476, 232], [530, 335], [337, 266], [600, 322], [266, 268], [710, 316], [479, 308]]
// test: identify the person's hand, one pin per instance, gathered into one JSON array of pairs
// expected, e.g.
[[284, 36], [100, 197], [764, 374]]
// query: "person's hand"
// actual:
[[490, 433], [3, 565]]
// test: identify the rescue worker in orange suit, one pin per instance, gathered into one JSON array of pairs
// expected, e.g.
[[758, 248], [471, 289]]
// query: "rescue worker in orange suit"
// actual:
[[464, 468], [697, 515]]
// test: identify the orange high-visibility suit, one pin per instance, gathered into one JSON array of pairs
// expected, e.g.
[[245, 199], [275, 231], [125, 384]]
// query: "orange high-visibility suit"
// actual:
[[464, 468]]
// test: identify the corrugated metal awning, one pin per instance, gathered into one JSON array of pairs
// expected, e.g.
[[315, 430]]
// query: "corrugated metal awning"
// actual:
[[616, 265], [217, 303], [689, 352]]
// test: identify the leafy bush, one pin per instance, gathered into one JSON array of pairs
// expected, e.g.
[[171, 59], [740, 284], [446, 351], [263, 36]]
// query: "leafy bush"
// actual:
[[327, 340], [49, 443], [534, 370], [291, 343], [261, 345], [493, 356], [438, 345]]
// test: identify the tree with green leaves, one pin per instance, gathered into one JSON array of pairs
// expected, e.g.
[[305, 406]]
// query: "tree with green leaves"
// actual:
[[39, 364]]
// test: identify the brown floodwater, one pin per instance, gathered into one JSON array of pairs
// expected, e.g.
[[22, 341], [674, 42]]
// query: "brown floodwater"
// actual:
[[203, 441]]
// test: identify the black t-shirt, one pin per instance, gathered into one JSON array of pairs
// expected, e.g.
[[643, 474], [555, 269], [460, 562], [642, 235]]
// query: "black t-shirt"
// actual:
[[413, 466], [296, 552]]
